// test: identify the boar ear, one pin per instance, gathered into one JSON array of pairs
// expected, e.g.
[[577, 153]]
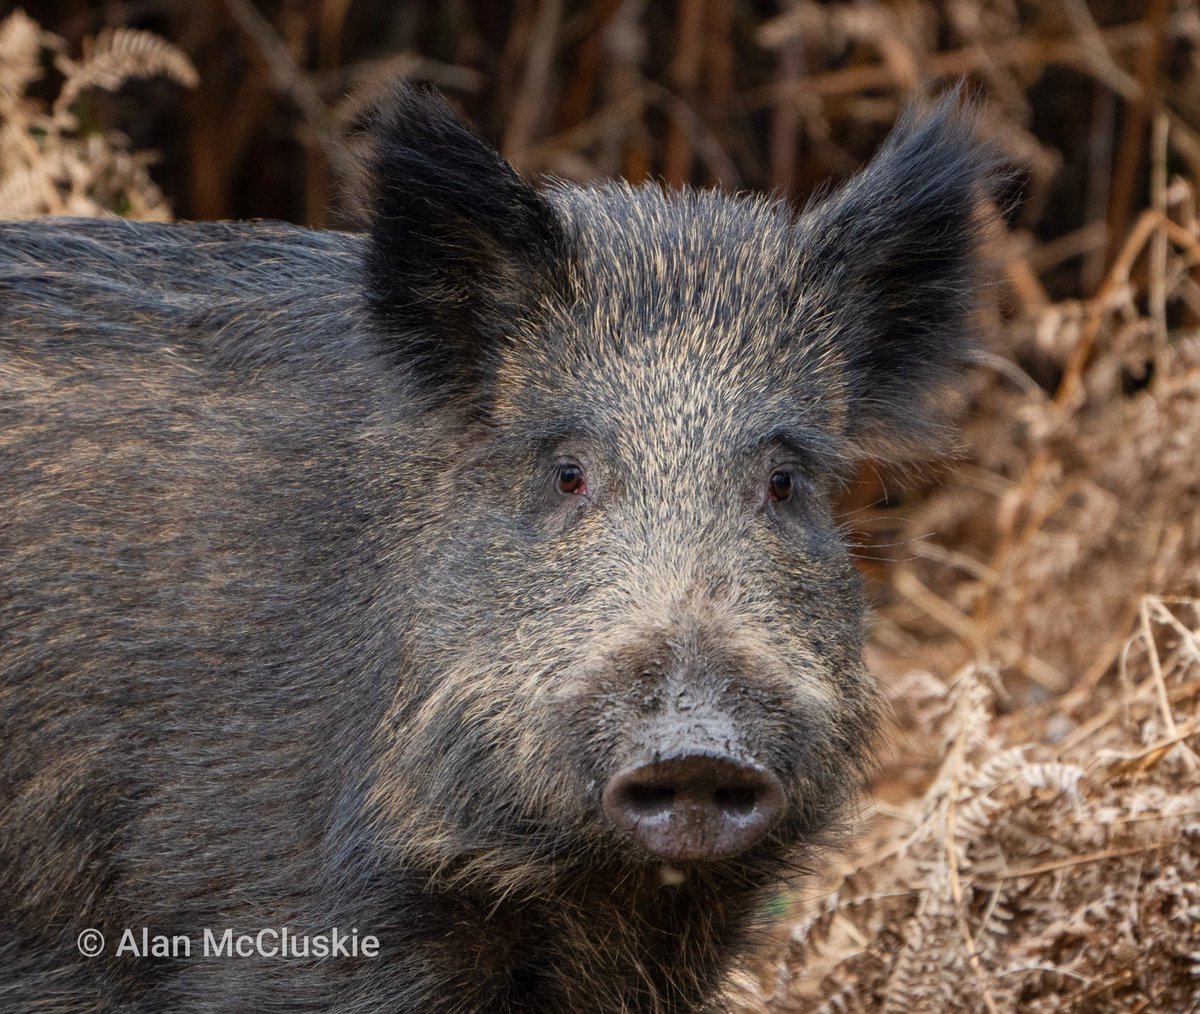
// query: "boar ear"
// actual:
[[890, 264], [459, 249]]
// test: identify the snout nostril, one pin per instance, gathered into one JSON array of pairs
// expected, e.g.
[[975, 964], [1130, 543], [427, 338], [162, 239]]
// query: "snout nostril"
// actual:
[[738, 801], [649, 800], [694, 806]]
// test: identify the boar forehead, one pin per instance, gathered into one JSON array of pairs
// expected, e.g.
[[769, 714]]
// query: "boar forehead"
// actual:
[[685, 316]]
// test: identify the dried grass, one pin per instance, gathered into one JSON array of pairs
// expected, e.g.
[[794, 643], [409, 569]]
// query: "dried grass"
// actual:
[[51, 162], [1036, 841], [1031, 875]]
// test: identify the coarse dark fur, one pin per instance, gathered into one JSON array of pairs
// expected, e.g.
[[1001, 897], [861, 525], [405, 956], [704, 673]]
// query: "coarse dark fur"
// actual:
[[296, 627]]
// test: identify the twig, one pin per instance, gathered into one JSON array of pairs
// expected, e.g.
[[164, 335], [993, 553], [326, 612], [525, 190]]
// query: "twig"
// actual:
[[785, 118], [535, 82], [684, 75], [1156, 673], [950, 851], [290, 80], [1157, 282], [1130, 150], [1083, 860], [952, 64]]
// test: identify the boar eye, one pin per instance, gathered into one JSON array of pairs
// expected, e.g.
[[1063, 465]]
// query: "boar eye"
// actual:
[[781, 485], [571, 480]]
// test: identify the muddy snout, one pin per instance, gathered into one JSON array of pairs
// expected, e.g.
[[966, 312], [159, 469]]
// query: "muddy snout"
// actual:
[[695, 806], [693, 795]]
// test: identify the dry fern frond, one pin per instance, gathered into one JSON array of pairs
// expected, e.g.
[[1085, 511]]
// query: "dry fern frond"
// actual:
[[21, 43], [124, 53], [21, 194], [1074, 874], [119, 55], [48, 163]]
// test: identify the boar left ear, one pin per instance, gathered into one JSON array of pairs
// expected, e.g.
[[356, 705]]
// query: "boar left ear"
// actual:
[[460, 248], [890, 263]]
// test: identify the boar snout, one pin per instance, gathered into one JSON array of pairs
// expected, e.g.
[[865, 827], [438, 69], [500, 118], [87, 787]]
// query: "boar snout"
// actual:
[[694, 806], [691, 795]]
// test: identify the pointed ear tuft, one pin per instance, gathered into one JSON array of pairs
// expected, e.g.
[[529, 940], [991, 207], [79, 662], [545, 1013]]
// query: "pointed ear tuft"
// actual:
[[459, 245], [892, 264]]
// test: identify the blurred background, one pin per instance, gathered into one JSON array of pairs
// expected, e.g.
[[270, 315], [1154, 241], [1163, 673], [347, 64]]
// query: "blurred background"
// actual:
[[760, 95], [1034, 841]]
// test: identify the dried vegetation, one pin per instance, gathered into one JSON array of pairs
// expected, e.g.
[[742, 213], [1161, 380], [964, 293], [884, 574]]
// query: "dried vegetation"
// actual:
[[1035, 845], [52, 162], [1035, 840]]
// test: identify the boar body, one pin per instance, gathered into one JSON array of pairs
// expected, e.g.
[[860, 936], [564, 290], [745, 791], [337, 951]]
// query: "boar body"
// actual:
[[472, 583]]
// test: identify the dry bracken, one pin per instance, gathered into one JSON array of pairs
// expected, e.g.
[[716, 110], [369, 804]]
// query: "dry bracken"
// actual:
[[51, 163], [1039, 844]]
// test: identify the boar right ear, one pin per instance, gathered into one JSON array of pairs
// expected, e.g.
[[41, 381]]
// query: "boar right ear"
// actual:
[[460, 248], [890, 263]]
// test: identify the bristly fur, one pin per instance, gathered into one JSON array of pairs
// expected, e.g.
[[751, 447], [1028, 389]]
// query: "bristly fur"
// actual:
[[459, 244], [892, 258], [296, 627]]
